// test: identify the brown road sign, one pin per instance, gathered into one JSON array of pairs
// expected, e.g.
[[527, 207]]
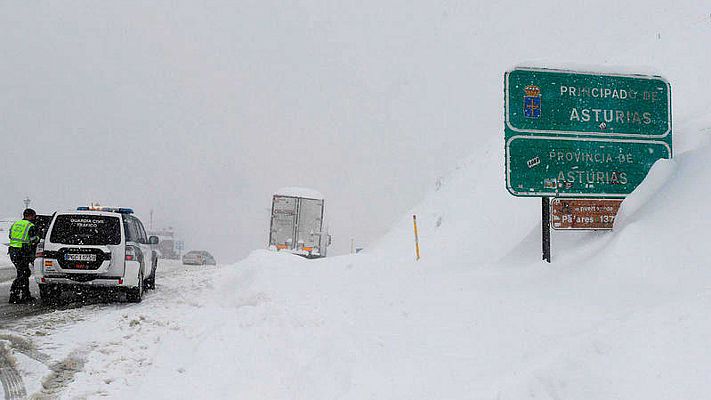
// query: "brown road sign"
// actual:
[[584, 213]]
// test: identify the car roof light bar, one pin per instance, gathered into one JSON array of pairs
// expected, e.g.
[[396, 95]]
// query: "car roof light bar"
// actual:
[[120, 210]]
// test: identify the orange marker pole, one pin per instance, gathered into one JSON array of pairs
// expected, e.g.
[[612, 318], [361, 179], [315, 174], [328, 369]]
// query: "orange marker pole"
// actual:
[[417, 240]]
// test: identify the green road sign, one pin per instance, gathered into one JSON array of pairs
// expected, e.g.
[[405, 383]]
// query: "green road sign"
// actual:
[[583, 134], [562, 102], [586, 167]]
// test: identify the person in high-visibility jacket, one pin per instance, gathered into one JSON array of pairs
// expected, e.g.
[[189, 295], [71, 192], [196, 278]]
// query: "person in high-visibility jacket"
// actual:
[[23, 242]]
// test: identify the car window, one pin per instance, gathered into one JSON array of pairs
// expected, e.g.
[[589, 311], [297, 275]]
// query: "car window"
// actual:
[[42, 223], [86, 229], [141, 230], [131, 230]]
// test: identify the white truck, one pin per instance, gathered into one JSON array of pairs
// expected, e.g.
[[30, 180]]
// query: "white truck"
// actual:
[[297, 223]]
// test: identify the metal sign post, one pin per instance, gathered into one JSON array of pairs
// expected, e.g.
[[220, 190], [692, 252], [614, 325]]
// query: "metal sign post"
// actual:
[[546, 226]]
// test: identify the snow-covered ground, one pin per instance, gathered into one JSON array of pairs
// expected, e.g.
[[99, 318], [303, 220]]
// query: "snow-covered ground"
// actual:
[[4, 258], [5, 262], [620, 314], [7, 270]]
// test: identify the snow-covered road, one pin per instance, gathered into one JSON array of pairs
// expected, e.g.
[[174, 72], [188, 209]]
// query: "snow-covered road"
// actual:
[[7, 270], [48, 346], [7, 274]]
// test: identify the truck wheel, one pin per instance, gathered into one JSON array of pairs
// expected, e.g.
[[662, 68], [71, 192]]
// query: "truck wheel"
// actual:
[[135, 295]]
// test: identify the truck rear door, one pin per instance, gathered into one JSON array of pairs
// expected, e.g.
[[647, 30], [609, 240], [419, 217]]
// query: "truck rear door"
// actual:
[[309, 223], [284, 210]]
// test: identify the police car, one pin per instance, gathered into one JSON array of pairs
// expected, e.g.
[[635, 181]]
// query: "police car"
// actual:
[[102, 247]]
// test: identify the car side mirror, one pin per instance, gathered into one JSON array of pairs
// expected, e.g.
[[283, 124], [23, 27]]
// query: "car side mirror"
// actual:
[[153, 240]]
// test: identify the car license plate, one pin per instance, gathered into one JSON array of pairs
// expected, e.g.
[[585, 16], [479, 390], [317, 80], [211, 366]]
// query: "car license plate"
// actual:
[[80, 257]]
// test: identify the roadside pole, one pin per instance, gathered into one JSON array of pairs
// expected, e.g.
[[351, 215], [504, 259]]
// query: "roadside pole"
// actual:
[[417, 240], [546, 228]]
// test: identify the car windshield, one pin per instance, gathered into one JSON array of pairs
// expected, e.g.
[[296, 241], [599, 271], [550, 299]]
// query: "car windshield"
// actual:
[[86, 230]]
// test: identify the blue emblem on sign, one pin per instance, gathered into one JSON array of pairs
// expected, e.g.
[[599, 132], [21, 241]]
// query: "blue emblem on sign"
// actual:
[[532, 102]]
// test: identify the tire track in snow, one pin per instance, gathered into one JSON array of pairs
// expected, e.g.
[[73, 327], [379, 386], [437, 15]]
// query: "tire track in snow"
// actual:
[[13, 386], [62, 375], [61, 372], [25, 347]]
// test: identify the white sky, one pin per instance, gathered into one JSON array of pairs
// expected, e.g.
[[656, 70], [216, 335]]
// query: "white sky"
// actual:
[[199, 110]]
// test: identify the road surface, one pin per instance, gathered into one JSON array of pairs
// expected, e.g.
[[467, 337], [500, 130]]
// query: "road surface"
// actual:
[[22, 325], [10, 312]]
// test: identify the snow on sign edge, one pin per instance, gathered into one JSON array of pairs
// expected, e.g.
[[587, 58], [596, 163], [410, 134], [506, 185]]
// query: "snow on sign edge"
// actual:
[[299, 192], [594, 69]]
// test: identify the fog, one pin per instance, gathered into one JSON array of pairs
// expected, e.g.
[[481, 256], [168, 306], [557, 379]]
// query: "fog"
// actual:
[[200, 110]]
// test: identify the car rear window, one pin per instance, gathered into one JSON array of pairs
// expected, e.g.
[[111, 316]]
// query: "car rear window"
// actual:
[[86, 229]]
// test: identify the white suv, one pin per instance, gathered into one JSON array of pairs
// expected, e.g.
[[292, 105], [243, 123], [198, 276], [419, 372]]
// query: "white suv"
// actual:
[[97, 247]]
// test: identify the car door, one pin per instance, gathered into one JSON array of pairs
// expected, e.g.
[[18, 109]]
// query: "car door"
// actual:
[[146, 247], [136, 239]]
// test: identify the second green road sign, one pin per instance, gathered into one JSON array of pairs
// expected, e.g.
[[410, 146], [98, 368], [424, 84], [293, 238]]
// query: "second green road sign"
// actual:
[[583, 134], [587, 167]]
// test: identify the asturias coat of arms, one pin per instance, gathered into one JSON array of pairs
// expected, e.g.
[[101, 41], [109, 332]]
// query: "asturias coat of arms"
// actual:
[[532, 102]]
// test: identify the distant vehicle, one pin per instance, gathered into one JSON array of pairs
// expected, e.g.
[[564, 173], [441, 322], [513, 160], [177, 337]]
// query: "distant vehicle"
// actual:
[[297, 223], [167, 248], [198, 257], [100, 247]]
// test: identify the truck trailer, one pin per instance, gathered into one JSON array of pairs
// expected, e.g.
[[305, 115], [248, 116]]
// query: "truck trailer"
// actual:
[[166, 246], [297, 223]]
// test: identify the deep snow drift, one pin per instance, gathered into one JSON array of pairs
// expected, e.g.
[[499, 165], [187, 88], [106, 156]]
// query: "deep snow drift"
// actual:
[[620, 314]]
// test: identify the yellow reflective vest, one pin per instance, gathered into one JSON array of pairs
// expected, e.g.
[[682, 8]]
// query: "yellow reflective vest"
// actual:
[[20, 233]]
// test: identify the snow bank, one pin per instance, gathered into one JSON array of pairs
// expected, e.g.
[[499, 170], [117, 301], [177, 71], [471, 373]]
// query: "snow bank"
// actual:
[[650, 281], [300, 192], [469, 219], [592, 68]]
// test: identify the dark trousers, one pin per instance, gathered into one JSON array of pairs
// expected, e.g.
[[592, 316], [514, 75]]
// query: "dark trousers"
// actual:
[[20, 288]]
